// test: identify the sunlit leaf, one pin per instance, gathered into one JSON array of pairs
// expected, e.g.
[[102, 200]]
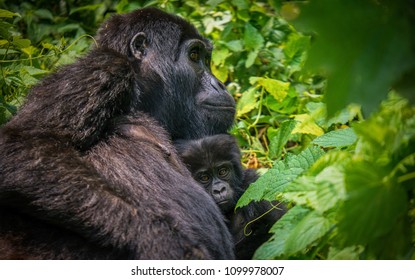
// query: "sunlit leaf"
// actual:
[[277, 89], [306, 125], [219, 56], [247, 102], [337, 138], [220, 72], [7, 14], [33, 71]]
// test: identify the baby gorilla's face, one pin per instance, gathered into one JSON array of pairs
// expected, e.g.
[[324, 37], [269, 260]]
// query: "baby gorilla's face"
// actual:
[[217, 181]]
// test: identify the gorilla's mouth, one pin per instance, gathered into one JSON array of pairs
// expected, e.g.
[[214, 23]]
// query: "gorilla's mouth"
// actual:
[[222, 202], [220, 107]]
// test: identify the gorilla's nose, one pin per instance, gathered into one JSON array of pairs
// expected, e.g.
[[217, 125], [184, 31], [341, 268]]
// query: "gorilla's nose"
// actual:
[[217, 85]]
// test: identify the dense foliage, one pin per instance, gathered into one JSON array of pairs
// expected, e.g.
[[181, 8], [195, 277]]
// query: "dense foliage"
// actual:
[[325, 113]]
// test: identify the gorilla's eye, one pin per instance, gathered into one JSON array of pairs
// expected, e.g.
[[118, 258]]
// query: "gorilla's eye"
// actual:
[[203, 178], [223, 172], [195, 54]]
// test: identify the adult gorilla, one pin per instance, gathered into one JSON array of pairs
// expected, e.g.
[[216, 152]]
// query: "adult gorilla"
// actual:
[[70, 187]]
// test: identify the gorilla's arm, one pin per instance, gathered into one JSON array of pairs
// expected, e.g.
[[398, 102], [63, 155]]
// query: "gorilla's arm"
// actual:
[[249, 176], [41, 169]]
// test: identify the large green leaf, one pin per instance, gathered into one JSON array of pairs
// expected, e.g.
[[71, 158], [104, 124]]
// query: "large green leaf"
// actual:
[[277, 89], [7, 14], [320, 193], [337, 138], [247, 102], [294, 233], [281, 230], [269, 185], [374, 203], [363, 47], [308, 230]]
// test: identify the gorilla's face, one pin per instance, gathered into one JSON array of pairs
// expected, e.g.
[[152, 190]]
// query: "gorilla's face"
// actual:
[[175, 83]]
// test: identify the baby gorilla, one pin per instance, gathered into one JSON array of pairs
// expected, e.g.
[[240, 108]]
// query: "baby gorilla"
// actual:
[[215, 164]]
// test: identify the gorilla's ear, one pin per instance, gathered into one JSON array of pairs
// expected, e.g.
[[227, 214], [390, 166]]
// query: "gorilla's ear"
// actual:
[[138, 45]]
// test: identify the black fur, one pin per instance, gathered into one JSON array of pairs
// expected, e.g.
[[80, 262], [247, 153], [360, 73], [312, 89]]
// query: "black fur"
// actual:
[[204, 157], [86, 166]]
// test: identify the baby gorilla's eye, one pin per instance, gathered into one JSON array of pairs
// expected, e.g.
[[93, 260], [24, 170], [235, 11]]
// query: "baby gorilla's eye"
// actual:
[[223, 172], [203, 178]]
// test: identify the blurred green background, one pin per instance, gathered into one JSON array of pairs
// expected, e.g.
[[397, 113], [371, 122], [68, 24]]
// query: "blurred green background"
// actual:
[[324, 90]]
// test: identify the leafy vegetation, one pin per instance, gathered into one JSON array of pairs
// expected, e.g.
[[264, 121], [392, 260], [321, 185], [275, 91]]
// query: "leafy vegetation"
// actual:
[[325, 113]]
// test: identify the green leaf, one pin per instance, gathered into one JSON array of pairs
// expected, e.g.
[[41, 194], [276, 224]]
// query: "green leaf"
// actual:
[[332, 158], [375, 39], [307, 125], [272, 183], [374, 203], [221, 73], [348, 253], [305, 159], [214, 3], [30, 50], [234, 46], [7, 14], [219, 56], [69, 27], [298, 229], [296, 44], [281, 230], [312, 227], [21, 43], [247, 102], [295, 51], [277, 89], [44, 13], [321, 190], [32, 71], [252, 38], [344, 116], [241, 4], [250, 60], [279, 138], [85, 8], [337, 138]]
